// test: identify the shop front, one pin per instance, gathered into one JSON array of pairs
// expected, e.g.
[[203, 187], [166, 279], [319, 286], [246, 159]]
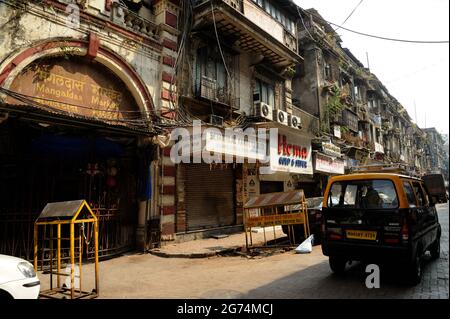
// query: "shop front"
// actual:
[[73, 131], [210, 188], [327, 161], [290, 166]]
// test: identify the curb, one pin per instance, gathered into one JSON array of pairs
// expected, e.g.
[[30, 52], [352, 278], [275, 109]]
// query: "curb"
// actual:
[[194, 255]]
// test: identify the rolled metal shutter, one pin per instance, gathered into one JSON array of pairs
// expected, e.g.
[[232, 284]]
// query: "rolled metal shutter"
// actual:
[[209, 196]]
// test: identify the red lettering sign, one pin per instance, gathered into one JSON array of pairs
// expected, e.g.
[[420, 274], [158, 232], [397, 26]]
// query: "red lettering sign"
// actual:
[[286, 149]]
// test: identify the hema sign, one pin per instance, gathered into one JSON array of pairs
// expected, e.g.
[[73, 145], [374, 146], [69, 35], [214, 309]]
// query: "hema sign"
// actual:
[[289, 153]]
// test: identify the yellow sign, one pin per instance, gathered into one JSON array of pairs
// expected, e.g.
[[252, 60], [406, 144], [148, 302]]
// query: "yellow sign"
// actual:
[[273, 220]]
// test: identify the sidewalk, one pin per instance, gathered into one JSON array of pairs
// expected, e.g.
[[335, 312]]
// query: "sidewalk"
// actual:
[[203, 248]]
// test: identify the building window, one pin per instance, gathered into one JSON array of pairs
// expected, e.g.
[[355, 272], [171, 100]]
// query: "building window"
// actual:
[[327, 72], [211, 76], [264, 92], [282, 18], [350, 120]]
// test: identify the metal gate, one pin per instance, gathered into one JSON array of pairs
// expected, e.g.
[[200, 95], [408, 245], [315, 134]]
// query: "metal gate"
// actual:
[[30, 179], [209, 196]]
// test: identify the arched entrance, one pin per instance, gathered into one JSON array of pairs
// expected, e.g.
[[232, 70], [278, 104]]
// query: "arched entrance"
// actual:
[[72, 133]]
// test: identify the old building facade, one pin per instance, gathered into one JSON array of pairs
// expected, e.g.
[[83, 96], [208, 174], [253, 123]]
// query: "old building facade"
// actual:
[[91, 91]]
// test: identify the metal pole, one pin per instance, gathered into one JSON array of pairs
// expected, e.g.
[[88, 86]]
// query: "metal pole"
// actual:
[[245, 228], [35, 247], [72, 259], [58, 254], [80, 256], [51, 257], [97, 286], [274, 233]]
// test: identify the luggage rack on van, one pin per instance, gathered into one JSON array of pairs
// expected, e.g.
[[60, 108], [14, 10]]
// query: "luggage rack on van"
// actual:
[[384, 168]]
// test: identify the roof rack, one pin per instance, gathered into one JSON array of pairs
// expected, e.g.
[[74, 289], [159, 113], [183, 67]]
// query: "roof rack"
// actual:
[[383, 168]]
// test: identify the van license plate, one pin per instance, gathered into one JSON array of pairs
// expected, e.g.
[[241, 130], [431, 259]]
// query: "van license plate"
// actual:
[[361, 234]]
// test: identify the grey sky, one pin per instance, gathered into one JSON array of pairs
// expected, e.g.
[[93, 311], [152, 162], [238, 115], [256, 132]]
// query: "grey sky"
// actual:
[[413, 73]]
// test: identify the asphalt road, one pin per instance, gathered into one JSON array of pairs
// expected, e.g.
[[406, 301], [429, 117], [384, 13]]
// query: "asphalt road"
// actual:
[[282, 275]]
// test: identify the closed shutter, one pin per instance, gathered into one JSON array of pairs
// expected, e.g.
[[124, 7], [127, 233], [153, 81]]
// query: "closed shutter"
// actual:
[[209, 196]]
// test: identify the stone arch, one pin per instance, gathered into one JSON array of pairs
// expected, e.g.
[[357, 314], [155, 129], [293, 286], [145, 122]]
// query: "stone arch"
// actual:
[[12, 66]]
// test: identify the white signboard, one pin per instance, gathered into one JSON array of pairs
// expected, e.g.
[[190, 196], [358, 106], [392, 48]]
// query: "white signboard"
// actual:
[[379, 148], [337, 131], [290, 153], [327, 164], [237, 144], [331, 149]]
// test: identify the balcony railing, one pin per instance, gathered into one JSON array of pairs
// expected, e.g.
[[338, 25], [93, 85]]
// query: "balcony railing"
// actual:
[[235, 4], [209, 90], [128, 19], [290, 41], [257, 16]]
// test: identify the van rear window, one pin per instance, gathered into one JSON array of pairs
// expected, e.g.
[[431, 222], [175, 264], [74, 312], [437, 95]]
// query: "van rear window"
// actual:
[[365, 194]]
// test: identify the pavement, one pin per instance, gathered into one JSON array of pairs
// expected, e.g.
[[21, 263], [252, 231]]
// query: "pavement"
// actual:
[[209, 247], [281, 275]]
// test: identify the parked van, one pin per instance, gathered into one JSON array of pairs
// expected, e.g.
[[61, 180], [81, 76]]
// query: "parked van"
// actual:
[[388, 217]]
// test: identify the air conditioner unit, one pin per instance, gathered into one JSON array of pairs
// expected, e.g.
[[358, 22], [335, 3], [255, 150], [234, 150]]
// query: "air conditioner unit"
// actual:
[[295, 121], [281, 117], [263, 110]]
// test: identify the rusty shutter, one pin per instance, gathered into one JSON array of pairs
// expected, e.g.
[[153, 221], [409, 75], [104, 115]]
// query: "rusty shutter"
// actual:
[[209, 196]]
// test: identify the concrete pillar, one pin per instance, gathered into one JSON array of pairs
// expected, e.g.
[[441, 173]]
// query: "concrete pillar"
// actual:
[[167, 14]]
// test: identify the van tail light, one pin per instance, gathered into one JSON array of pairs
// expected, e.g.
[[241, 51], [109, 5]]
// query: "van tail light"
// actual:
[[405, 231], [392, 240], [334, 236], [334, 233]]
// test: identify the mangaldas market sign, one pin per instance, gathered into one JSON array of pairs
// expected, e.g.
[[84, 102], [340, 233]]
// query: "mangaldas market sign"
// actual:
[[76, 86]]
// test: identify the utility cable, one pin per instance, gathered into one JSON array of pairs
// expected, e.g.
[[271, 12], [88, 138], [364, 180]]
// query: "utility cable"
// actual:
[[351, 13], [376, 36]]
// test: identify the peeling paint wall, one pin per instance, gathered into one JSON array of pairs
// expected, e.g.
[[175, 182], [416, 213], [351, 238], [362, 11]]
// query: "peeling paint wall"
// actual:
[[36, 25]]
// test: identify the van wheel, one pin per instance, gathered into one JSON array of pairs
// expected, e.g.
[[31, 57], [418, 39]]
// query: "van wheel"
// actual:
[[415, 269], [435, 249], [337, 264]]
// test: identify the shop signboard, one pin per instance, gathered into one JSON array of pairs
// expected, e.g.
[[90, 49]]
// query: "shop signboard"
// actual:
[[331, 149], [337, 131], [379, 148], [289, 153], [236, 144], [273, 220], [76, 86], [327, 164]]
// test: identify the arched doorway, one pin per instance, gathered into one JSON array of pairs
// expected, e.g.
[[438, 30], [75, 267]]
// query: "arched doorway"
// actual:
[[72, 133]]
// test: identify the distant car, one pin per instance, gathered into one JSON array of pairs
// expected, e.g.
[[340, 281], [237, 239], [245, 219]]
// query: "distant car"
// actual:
[[18, 279]]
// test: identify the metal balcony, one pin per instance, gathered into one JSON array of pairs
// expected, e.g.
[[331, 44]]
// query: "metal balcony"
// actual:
[[235, 25]]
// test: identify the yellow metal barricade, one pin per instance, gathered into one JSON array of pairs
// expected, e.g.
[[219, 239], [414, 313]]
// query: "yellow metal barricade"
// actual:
[[276, 209], [75, 219]]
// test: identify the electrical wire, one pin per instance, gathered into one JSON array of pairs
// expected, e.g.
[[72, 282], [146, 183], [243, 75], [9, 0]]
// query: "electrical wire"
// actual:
[[304, 26], [218, 41], [351, 13], [375, 36]]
